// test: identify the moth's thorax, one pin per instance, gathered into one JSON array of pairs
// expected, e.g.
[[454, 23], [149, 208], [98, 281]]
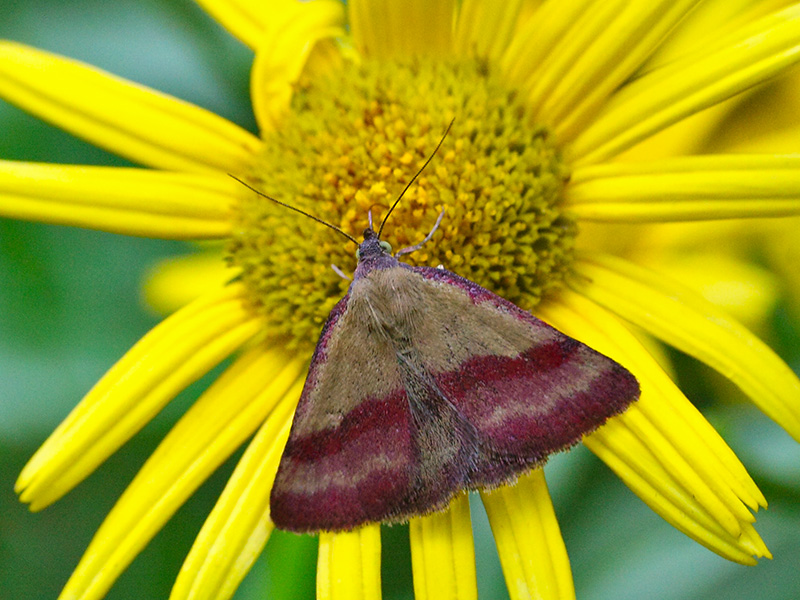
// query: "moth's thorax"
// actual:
[[390, 297]]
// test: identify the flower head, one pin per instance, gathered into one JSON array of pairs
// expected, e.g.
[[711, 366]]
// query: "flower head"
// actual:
[[349, 101]]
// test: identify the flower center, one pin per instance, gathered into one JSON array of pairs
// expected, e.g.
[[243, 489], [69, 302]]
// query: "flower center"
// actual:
[[350, 144]]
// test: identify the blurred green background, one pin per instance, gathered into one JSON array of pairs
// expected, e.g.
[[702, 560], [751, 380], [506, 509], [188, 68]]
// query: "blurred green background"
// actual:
[[70, 306]]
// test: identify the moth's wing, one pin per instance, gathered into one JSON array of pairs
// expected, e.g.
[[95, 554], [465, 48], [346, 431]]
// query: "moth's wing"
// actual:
[[526, 388], [457, 389], [356, 448]]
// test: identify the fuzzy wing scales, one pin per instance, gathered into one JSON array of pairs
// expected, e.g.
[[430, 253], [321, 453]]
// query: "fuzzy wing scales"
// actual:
[[424, 384]]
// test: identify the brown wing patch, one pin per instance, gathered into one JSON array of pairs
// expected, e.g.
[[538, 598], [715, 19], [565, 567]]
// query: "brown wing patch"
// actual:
[[443, 323]]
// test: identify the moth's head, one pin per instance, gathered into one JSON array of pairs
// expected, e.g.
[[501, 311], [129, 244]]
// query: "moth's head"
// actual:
[[372, 246]]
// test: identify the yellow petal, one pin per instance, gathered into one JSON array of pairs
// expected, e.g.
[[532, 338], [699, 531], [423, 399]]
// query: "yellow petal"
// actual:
[[738, 124], [686, 321], [174, 354], [141, 202], [733, 64], [736, 285], [641, 473], [239, 526], [130, 120], [535, 43], [764, 122], [687, 188], [484, 29], [532, 552], [443, 554], [221, 419], [782, 250], [568, 92], [705, 24], [349, 565], [664, 405], [291, 34], [175, 282], [392, 28], [244, 19], [662, 448], [684, 138], [328, 56]]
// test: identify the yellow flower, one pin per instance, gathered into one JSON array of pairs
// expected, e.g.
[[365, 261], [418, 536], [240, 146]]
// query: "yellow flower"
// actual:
[[349, 100]]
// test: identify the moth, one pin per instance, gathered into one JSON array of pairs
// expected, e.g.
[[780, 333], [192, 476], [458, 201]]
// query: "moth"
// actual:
[[424, 384]]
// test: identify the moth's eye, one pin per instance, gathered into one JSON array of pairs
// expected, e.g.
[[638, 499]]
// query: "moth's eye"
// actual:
[[386, 246], [358, 253]]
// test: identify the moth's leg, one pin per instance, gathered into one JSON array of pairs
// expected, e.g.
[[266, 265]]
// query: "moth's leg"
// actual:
[[340, 273], [428, 237]]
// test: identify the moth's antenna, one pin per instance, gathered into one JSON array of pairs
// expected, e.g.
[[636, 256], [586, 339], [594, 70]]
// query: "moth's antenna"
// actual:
[[294, 208], [414, 178]]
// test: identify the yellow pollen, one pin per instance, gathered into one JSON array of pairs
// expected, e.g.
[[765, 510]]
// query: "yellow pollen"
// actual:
[[348, 147]]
